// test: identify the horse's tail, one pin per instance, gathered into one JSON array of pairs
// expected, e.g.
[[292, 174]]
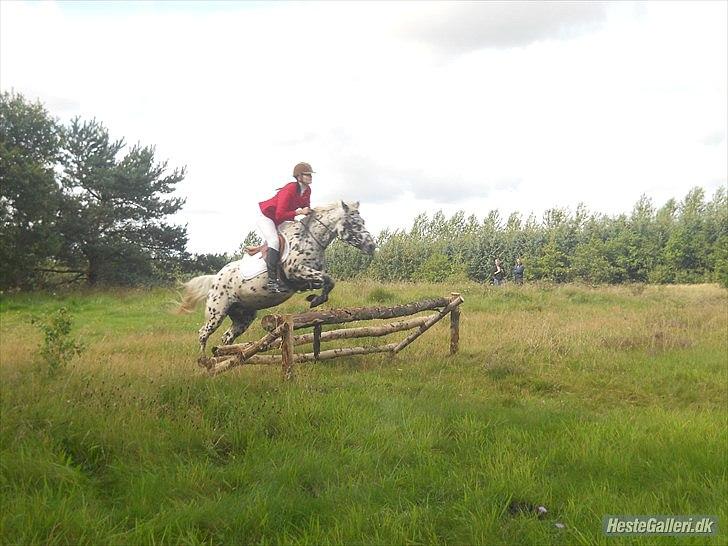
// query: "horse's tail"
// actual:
[[194, 291]]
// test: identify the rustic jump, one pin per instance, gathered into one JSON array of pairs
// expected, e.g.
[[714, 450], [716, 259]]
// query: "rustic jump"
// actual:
[[280, 334]]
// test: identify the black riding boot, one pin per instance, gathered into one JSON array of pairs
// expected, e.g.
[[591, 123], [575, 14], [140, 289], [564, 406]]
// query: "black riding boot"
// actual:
[[272, 262]]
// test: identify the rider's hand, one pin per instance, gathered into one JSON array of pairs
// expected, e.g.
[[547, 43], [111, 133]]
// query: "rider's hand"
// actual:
[[304, 210]]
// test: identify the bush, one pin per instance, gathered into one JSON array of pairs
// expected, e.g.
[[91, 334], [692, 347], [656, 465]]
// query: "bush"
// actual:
[[439, 268], [343, 261], [58, 348]]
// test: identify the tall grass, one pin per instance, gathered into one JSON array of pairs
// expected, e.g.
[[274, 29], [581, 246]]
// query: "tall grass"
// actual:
[[589, 401]]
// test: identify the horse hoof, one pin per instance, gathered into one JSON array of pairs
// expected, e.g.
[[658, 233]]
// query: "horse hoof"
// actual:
[[204, 362], [317, 300], [311, 297]]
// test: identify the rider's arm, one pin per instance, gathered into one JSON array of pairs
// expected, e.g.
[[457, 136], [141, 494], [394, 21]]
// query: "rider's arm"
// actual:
[[285, 205], [305, 208]]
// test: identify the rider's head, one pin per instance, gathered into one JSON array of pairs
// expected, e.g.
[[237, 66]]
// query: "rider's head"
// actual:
[[302, 172]]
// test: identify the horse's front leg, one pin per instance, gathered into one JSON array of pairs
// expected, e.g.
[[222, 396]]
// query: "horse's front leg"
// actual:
[[328, 286], [307, 275]]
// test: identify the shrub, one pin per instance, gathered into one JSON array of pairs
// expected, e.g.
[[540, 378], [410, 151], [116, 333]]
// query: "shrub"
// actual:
[[58, 347], [439, 268]]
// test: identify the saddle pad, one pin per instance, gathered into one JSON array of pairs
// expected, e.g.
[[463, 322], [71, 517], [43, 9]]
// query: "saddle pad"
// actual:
[[252, 266]]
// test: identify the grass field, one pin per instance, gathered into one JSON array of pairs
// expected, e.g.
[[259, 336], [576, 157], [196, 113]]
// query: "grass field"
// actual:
[[588, 401]]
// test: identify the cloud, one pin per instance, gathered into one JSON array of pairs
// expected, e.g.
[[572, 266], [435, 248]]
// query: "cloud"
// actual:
[[508, 184], [456, 28], [375, 181], [405, 106], [714, 138], [61, 106]]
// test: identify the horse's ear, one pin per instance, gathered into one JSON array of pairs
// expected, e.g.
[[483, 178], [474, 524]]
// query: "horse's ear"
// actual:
[[355, 205], [343, 206]]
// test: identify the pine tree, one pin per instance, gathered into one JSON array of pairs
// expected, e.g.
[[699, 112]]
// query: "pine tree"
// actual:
[[113, 214]]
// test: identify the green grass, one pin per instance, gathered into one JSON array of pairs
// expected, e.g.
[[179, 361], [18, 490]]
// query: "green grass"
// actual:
[[589, 401]]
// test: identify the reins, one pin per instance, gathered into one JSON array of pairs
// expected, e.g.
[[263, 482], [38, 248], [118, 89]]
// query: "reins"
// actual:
[[307, 228]]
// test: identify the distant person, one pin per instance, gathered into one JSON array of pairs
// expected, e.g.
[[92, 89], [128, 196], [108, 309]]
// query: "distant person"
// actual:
[[518, 272], [289, 201], [498, 273]]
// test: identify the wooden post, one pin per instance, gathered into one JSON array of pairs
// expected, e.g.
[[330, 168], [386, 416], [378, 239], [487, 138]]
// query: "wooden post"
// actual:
[[287, 347], [432, 320], [316, 341], [454, 326]]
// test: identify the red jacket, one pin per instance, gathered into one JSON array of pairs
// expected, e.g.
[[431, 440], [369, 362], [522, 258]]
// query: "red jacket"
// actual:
[[282, 206]]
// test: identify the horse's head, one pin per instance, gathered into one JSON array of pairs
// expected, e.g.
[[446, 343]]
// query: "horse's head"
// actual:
[[350, 227]]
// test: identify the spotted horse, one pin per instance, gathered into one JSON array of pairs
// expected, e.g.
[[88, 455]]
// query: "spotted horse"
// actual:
[[239, 294]]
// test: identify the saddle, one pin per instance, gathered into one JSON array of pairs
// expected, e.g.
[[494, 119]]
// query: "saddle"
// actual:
[[263, 249]]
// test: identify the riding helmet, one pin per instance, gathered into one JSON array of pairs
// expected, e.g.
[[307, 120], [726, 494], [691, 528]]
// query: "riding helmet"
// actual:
[[302, 168]]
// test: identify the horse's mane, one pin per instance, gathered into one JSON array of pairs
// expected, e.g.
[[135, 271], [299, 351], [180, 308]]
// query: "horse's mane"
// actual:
[[320, 210], [326, 208], [335, 204]]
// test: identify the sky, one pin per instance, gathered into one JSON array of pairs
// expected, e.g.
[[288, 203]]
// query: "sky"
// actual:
[[408, 108]]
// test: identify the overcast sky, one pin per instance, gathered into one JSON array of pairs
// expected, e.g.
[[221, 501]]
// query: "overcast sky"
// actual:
[[407, 107]]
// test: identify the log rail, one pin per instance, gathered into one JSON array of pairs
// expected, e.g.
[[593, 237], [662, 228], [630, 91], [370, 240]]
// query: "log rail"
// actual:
[[280, 330]]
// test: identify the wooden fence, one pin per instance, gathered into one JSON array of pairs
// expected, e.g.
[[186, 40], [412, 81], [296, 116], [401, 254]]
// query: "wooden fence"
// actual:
[[280, 330]]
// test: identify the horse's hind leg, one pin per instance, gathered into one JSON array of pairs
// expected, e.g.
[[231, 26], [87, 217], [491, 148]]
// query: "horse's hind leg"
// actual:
[[215, 312], [242, 318]]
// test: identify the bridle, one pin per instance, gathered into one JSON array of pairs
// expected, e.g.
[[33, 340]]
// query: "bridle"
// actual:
[[307, 228]]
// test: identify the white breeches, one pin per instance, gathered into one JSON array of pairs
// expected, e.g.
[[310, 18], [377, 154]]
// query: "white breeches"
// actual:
[[268, 230]]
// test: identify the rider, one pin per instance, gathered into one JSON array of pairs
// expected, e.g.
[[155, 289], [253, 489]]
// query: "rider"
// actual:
[[291, 200]]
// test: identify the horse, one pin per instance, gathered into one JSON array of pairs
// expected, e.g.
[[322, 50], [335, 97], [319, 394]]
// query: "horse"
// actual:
[[232, 292]]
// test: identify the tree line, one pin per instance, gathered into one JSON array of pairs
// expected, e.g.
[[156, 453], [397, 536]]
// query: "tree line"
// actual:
[[79, 207], [679, 242]]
